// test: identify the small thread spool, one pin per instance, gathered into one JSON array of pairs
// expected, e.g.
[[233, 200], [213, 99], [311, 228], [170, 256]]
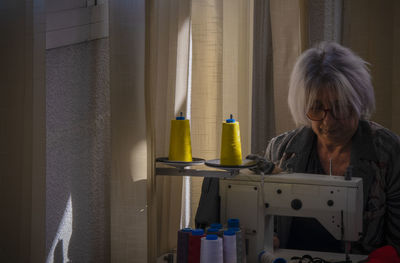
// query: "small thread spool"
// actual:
[[240, 245], [234, 225], [216, 225], [219, 227], [183, 245], [211, 249], [230, 254], [212, 230], [195, 245], [233, 222], [231, 148], [180, 147]]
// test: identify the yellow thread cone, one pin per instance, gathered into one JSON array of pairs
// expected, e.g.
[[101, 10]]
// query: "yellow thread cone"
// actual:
[[231, 148], [180, 148]]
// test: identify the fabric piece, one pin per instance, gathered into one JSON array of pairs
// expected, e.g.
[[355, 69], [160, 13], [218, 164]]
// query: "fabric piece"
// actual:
[[263, 109], [208, 210], [386, 254]]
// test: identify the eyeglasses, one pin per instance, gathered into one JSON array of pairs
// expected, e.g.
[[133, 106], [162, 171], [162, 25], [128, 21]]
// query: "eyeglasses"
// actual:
[[318, 114]]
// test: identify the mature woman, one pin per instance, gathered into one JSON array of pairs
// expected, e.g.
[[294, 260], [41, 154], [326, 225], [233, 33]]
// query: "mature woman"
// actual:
[[331, 98]]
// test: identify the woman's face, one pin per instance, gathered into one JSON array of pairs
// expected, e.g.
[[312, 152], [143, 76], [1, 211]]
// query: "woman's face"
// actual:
[[334, 127]]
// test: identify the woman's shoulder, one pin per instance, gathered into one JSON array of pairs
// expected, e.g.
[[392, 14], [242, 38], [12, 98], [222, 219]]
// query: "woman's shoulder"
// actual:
[[386, 142], [289, 135], [282, 142], [384, 136]]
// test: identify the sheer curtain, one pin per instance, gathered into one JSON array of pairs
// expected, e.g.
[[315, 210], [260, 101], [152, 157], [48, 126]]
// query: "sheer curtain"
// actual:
[[280, 35], [221, 76], [167, 85], [199, 62], [129, 139]]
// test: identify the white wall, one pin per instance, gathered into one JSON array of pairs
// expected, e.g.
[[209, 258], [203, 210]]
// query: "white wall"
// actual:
[[78, 152]]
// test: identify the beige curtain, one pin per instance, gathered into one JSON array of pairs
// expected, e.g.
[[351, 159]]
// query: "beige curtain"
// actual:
[[372, 30], [166, 94], [289, 40], [280, 35], [221, 77], [207, 84], [198, 62], [129, 139]]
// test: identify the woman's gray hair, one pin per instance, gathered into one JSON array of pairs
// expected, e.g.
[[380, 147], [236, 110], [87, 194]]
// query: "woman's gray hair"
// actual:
[[330, 66]]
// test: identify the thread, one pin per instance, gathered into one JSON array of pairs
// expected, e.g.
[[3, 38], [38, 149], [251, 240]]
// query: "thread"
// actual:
[[180, 148], [233, 222], [211, 249], [230, 254], [219, 227], [240, 245], [231, 148], [183, 245], [212, 230], [216, 225], [195, 245]]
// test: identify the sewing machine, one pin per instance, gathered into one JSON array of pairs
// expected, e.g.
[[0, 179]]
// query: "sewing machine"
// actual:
[[335, 202]]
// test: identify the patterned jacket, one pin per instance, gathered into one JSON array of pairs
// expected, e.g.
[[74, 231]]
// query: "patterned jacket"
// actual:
[[375, 156]]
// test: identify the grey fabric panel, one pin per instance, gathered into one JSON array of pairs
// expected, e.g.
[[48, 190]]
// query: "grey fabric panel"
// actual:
[[209, 206], [263, 120]]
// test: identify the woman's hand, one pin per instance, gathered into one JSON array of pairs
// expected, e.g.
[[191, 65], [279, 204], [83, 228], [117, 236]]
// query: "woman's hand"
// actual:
[[264, 166]]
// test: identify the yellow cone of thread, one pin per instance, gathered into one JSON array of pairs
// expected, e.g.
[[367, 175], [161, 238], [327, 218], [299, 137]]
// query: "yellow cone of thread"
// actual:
[[231, 148], [180, 148]]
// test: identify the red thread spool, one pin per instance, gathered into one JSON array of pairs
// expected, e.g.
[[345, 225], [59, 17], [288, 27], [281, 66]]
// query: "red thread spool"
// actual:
[[195, 245]]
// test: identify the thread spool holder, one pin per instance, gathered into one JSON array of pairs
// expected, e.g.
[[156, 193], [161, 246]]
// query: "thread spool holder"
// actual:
[[184, 168]]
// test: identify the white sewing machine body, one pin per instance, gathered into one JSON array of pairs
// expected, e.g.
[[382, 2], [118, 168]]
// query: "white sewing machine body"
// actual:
[[335, 202]]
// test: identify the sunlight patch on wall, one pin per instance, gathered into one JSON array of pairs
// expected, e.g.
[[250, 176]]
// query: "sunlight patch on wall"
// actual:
[[60, 244], [138, 161]]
